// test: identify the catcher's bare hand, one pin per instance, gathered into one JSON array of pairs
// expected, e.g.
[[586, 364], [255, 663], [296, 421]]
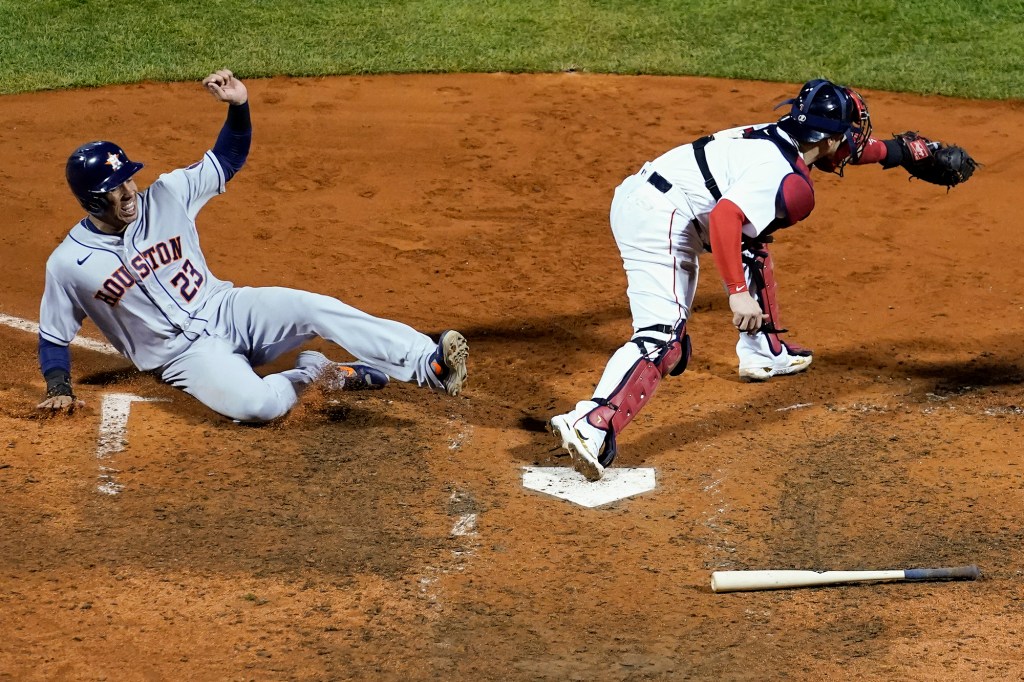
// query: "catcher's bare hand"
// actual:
[[746, 312], [61, 403], [225, 87]]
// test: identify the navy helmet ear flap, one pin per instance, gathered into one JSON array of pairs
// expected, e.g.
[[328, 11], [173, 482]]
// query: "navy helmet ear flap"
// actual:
[[96, 204]]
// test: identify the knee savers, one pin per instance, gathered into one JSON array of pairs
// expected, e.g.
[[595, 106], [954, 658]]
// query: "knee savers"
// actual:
[[664, 351]]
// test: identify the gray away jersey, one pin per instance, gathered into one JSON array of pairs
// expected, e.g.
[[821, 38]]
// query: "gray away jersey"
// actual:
[[147, 289]]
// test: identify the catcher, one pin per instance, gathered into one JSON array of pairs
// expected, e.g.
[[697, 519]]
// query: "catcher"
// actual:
[[934, 162], [727, 193]]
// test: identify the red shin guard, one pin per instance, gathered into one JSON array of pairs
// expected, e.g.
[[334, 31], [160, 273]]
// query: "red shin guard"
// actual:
[[635, 390]]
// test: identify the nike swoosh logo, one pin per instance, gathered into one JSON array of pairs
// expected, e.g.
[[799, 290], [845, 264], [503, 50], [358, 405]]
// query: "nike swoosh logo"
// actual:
[[82, 260]]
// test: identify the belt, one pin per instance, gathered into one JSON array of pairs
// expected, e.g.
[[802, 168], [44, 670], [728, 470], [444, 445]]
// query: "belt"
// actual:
[[659, 182]]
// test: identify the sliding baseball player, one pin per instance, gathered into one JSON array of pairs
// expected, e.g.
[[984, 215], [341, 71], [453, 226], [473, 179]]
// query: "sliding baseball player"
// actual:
[[134, 266]]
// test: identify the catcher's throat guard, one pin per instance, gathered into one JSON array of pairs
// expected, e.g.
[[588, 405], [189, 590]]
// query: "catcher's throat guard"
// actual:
[[665, 358]]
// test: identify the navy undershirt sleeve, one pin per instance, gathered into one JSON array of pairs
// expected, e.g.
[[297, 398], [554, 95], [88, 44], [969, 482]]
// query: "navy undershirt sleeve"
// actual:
[[53, 356], [894, 154], [232, 146]]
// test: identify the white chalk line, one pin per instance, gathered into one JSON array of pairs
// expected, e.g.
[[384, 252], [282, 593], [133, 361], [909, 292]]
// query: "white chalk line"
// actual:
[[33, 328], [798, 406], [114, 413], [462, 507], [464, 432], [465, 525]]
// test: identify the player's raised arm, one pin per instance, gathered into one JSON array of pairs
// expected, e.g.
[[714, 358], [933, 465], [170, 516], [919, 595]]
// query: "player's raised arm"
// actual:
[[232, 146]]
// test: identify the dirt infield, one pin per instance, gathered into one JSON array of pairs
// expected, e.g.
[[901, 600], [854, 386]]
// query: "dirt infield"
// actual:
[[387, 535]]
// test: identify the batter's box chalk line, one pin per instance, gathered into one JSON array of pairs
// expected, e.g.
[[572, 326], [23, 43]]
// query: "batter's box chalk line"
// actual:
[[461, 506], [113, 436], [464, 433], [720, 548], [81, 341]]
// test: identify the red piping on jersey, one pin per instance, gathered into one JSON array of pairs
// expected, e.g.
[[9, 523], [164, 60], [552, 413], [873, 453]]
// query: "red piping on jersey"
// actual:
[[675, 264]]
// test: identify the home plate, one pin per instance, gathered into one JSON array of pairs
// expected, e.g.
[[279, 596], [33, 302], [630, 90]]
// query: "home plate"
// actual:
[[568, 484]]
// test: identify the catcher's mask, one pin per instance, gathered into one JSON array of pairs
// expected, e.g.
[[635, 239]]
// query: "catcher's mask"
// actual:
[[823, 109], [96, 168]]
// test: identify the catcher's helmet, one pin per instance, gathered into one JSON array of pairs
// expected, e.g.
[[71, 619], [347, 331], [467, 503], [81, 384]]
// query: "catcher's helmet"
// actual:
[[96, 168], [823, 109]]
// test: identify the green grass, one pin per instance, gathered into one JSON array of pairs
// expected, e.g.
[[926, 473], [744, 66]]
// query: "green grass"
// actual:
[[950, 47]]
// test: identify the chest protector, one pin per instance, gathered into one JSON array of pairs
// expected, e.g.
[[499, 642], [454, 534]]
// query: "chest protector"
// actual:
[[794, 200]]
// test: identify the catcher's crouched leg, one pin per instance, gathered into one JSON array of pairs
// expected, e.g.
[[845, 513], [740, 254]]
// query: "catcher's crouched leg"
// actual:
[[765, 354], [588, 432]]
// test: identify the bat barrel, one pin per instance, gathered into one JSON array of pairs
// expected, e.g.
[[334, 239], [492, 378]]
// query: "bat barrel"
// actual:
[[736, 581]]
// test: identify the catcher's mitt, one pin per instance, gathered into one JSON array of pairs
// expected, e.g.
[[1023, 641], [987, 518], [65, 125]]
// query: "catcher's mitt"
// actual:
[[934, 162]]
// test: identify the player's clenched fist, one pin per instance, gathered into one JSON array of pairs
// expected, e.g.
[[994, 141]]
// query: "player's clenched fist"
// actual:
[[225, 87]]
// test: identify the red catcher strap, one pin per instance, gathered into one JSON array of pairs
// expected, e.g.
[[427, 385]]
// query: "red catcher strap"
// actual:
[[762, 275], [635, 390]]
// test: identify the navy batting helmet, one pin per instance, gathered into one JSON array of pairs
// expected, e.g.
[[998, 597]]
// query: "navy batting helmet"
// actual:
[[96, 168], [823, 109]]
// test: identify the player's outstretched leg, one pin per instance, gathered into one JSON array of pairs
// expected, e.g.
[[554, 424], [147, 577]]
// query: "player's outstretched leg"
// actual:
[[342, 376], [629, 381], [278, 320], [448, 363]]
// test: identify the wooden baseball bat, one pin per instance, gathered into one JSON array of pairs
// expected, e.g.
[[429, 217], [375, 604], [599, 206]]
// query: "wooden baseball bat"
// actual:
[[739, 581]]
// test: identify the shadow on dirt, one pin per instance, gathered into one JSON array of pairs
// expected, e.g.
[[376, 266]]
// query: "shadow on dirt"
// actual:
[[838, 374], [113, 376]]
